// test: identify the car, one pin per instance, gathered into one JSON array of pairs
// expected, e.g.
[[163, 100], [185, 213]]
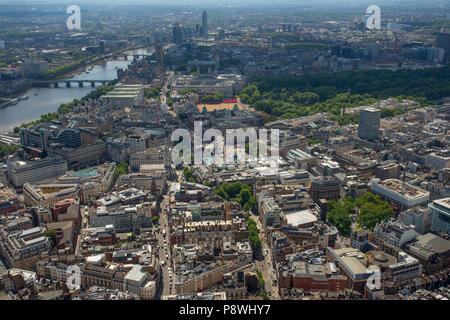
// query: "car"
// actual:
[[163, 263], [167, 256]]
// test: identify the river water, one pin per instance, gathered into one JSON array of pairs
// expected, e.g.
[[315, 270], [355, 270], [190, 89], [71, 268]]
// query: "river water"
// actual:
[[45, 100]]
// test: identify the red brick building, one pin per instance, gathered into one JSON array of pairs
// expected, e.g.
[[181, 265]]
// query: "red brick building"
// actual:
[[310, 277]]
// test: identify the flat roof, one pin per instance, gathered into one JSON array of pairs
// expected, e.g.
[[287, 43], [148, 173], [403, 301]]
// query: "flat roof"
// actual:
[[135, 274], [401, 187], [299, 218]]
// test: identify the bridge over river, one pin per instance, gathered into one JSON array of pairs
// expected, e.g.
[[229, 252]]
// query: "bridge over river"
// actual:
[[69, 82]]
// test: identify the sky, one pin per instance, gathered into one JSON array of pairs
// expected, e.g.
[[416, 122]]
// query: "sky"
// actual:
[[227, 2]]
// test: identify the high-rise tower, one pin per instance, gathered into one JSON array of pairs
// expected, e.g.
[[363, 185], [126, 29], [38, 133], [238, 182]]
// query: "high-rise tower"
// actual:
[[204, 24], [369, 123]]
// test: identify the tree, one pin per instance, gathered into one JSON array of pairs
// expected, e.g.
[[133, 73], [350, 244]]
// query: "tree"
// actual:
[[264, 295], [187, 173], [7, 150], [215, 97], [261, 281], [239, 192], [339, 215], [153, 92], [289, 96], [122, 168], [51, 234], [373, 210]]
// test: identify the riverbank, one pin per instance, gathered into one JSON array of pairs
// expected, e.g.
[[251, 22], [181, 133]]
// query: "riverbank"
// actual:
[[47, 100], [64, 108], [82, 69]]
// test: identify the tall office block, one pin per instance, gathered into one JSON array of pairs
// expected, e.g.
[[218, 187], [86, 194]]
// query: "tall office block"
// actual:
[[204, 24], [369, 123]]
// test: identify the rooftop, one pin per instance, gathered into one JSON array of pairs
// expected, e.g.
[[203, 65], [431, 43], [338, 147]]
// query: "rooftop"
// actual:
[[403, 188], [300, 218]]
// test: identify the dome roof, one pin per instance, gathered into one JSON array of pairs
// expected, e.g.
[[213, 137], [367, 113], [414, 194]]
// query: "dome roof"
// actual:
[[380, 257]]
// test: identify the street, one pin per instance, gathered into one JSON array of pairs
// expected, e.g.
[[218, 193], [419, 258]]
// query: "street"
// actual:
[[266, 265], [164, 251]]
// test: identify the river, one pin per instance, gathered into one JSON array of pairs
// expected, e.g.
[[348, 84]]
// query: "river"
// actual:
[[45, 100]]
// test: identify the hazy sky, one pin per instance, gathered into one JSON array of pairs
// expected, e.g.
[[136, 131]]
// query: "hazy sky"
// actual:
[[228, 2]]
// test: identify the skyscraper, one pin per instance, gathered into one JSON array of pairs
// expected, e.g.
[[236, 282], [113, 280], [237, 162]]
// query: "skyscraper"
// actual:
[[159, 54], [176, 33], [443, 41], [204, 24], [369, 123]]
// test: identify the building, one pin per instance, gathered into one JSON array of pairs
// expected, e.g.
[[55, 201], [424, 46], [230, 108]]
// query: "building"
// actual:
[[443, 41], [197, 296], [394, 233], [33, 68], [47, 195], [97, 275], [125, 95], [311, 277], [135, 280], [118, 150], [21, 172], [369, 123], [340, 144], [390, 170], [438, 160], [228, 84], [327, 167], [290, 141], [353, 265], [43, 134], [407, 267], [326, 187], [22, 249], [300, 219], [280, 246], [124, 219], [83, 156], [399, 194], [206, 279], [204, 28], [360, 240], [65, 235], [137, 143], [150, 156], [269, 211], [148, 291], [440, 215], [54, 268], [419, 217], [432, 251], [300, 159], [176, 33]]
